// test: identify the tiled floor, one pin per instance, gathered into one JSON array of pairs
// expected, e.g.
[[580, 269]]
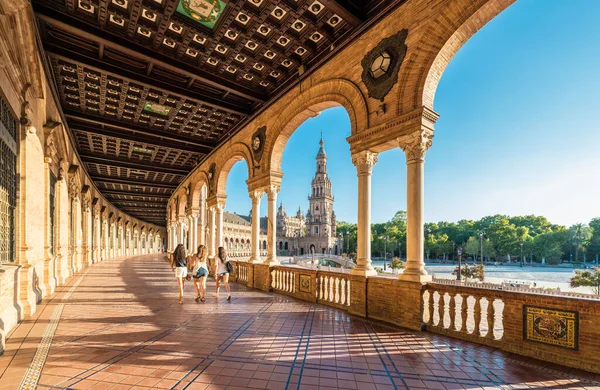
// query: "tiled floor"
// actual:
[[121, 327]]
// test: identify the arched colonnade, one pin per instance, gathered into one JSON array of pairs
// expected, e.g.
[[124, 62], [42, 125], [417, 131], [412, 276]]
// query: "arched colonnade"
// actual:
[[395, 113]]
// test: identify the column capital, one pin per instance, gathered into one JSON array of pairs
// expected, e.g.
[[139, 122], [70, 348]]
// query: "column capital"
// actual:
[[416, 144], [272, 191], [364, 161], [256, 195]]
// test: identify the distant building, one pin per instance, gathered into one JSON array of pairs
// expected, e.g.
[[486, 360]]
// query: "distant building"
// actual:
[[296, 235]]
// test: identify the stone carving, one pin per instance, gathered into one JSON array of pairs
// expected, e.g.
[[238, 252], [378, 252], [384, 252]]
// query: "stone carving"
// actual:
[[74, 190], [258, 143], [305, 283], [364, 161], [256, 195], [386, 58], [212, 170], [415, 145]]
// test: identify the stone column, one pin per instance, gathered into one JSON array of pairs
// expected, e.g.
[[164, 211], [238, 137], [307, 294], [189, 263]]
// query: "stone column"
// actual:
[[96, 243], [415, 145], [256, 197], [212, 225], [364, 162], [195, 236], [203, 223], [181, 231], [87, 232], [272, 229], [219, 216]]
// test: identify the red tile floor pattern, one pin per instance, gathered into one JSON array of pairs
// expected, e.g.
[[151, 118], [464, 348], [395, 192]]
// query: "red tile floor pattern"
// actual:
[[121, 327]]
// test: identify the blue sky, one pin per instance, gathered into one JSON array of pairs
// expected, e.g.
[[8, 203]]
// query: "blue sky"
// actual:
[[518, 131]]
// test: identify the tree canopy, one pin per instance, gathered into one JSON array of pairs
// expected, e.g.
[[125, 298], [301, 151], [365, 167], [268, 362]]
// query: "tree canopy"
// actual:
[[503, 238]]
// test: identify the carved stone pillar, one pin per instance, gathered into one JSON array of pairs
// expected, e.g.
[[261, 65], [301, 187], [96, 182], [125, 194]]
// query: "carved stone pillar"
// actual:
[[272, 192], [203, 223], [87, 232], [364, 162], [256, 196], [219, 234], [212, 218], [415, 145]]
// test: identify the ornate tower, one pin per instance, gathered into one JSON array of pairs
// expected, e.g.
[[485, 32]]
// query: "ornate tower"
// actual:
[[320, 218]]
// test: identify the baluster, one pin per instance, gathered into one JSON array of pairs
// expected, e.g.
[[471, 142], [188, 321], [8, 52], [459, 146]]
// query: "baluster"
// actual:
[[321, 288], [442, 306], [337, 290], [331, 281], [431, 307], [273, 284], [463, 313], [293, 275], [289, 281], [490, 319], [343, 292], [452, 310], [477, 315], [348, 292], [326, 288]]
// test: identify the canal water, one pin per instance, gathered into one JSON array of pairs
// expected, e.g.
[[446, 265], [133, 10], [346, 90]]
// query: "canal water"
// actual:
[[542, 276]]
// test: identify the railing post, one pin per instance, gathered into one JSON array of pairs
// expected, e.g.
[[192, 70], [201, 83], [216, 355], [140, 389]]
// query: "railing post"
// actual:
[[431, 307], [452, 312], [464, 306], [442, 306], [490, 319], [477, 315]]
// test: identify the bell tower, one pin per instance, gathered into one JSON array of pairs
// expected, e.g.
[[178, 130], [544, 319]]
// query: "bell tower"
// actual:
[[320, 213]]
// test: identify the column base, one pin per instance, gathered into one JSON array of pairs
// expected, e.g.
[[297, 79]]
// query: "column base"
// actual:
[[271, 261], [255, 260], [415, 278], [363, 272]]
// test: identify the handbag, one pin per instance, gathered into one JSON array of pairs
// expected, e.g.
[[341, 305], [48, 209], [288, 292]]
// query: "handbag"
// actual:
[[229, 267]]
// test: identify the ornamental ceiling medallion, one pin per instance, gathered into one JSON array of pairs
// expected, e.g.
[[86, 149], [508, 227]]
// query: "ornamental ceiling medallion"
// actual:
[[382, 63], [205, 12]]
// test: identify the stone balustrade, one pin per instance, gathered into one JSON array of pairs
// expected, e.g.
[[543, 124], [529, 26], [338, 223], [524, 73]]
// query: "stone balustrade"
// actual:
[[476, 312]]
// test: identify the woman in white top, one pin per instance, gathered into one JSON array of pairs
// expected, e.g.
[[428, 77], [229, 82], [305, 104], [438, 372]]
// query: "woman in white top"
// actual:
[[199, 271], [221, 273]]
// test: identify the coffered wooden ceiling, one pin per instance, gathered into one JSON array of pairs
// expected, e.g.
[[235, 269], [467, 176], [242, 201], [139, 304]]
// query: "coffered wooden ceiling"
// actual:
[[149, 87]]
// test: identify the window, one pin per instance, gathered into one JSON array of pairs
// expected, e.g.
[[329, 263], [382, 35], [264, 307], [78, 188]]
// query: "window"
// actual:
[[316, 230], [8, 182]]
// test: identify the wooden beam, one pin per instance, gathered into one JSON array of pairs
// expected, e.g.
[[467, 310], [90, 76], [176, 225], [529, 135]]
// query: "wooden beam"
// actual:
[[130, 182], [135, 194], [152, 82], [141, 138], [105, 123], [88, 32], [343, 12], [142, 165]]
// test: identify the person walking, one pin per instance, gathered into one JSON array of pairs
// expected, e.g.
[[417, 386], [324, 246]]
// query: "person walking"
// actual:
[[179, 266], [199, 271], [221, 272]]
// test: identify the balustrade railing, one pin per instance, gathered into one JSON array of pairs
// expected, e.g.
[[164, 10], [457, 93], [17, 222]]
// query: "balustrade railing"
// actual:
[[283, 279], [333, 288], [242, 272], [475, 314]]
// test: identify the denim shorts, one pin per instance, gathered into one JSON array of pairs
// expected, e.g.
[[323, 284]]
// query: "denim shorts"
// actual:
[[201, 272]]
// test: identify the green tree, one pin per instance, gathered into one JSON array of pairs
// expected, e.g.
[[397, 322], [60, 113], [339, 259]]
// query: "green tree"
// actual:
[[580, 236], [548, 246], [587, 278], [471, 247], [430, 243], [476, 271], [397, 263]]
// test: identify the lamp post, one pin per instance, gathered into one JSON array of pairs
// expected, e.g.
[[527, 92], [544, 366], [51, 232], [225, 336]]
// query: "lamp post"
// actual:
[[384, 253], [521, 253], [453, 245], [347, 242], [481, 245], [459, 251]]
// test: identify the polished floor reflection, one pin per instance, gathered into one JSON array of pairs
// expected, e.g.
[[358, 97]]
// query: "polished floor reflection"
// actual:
[[119, 326]]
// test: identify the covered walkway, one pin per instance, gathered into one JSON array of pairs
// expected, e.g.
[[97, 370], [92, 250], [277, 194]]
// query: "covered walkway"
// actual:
[[118, 325]]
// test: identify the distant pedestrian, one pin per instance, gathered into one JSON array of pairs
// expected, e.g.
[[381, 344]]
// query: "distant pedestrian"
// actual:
[[221, 271], [179, 266], [199, 271]]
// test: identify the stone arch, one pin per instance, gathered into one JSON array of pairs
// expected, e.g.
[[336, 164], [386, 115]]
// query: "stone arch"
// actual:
[[234, 153], [324, 95], [182, 204], [438, 44], [199, 190]]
